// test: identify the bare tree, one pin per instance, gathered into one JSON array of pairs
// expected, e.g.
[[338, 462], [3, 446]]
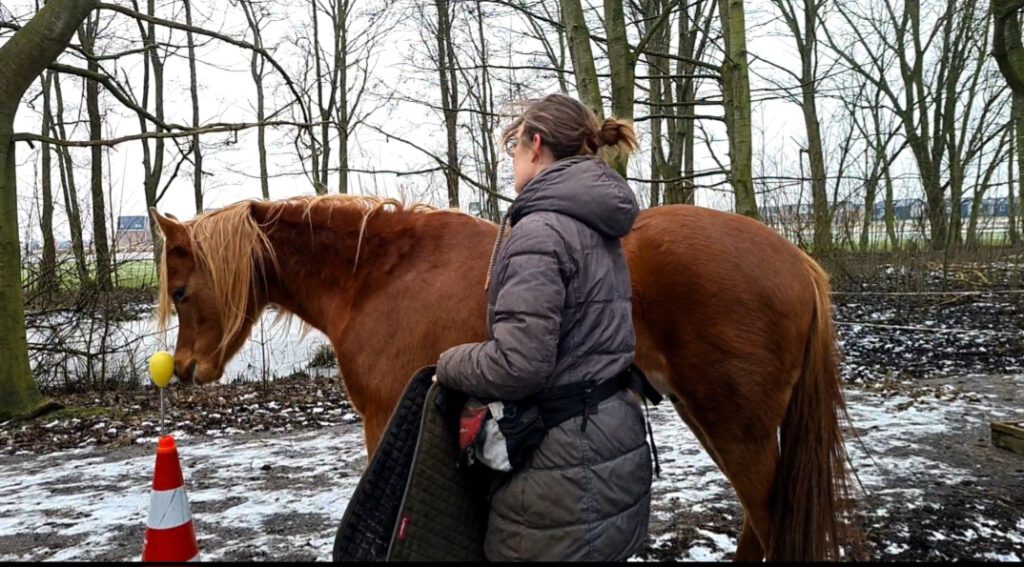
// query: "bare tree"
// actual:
[[982, 183], [446, 66], [256, 13], [152, 157], [803, 26], [575, 22], [877, 130], [478, 79], [49, 280], [1006, 42], [1009, 55], [358, 38], [551, 37], [69, 188], [197, 153], [1017, 121], [622, 59], [672, 94], [935, 97], [87, 35], [339, 77], [736, 98], [22, 58]]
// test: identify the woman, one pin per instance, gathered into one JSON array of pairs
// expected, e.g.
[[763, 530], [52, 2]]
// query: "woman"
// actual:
[[559, 314]]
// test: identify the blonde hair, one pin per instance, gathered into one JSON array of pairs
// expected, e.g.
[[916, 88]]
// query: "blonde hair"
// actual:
[[568, 128], [230, 247]]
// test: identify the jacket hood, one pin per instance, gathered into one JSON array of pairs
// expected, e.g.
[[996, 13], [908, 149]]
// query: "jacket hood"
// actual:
[[584, 188]]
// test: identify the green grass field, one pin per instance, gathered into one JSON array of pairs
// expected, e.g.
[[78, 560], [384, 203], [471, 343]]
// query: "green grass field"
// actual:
[[128, 274]]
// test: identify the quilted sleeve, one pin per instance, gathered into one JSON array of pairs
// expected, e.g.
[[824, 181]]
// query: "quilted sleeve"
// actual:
[[518, 359]]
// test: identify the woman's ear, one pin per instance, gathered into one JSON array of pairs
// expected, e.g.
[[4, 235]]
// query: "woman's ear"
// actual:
[[536, 149]]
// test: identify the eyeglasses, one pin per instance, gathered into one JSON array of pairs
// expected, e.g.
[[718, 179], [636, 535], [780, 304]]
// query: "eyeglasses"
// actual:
[[510, 146]]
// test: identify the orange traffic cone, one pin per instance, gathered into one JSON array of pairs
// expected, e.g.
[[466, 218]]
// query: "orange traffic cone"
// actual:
[[170, 535]]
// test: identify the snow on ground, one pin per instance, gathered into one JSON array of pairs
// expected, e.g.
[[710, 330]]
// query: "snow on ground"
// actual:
[[281, 497]]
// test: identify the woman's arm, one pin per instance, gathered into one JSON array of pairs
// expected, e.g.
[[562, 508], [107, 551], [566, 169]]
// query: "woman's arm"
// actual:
[[520, 357]]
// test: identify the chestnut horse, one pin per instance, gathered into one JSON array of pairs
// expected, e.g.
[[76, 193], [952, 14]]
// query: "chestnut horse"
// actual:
[[733, 322]]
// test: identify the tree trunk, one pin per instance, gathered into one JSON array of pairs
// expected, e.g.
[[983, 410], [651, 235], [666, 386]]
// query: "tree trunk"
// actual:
[[487, 123], [152, 160], [582, 57], [982, 182], [22, 58], [49, 280], [256, 64], [890, 212], [87, 36], [1011, 197], [261, 131], [449, 96], [1017, 112], [689, 49], [621, 62], [70, 190], [870, 193], [971, 242], [673, 95], [736, 98], [934, 195], [197, 153], [956, 193], [815, 152], [1006, 42], [341, 18], [318, 153], [660, 93]]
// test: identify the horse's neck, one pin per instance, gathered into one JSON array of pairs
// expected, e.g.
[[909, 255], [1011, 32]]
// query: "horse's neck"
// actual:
[[411, 258], [315, 276]]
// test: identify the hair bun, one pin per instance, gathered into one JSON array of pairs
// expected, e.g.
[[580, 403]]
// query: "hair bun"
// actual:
[[615, 132]]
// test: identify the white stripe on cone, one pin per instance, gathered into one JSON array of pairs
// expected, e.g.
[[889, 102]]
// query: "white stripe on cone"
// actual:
[[168, 509]]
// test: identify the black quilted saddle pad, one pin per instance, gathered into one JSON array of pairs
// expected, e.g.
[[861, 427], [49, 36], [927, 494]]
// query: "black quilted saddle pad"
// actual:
[[414, 503]]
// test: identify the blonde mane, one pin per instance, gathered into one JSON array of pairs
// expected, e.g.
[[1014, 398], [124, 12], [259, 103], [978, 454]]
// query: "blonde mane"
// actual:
[[221, 242], [221, 239]]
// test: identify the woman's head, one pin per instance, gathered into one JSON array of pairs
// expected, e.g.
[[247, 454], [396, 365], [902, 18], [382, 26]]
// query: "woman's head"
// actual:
[[557, 127]]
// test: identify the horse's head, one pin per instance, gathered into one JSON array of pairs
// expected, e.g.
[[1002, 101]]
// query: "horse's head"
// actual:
[[207, 277]]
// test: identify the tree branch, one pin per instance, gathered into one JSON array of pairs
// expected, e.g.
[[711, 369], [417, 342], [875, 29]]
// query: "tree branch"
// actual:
[[226, 39], [209, 129], [111, 87], [441, 163]]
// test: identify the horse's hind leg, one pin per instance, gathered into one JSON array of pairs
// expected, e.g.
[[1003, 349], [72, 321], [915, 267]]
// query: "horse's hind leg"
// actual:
[[749, 463]]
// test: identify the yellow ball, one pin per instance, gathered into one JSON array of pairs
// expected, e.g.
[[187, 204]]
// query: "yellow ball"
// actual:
[[161, 368]]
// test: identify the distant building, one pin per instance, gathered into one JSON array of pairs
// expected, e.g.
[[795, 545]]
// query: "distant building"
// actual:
[[133, 232], [903, 209]]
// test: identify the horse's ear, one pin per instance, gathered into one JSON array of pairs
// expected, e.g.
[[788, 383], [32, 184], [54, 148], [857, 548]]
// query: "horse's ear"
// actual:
[[172, 229]]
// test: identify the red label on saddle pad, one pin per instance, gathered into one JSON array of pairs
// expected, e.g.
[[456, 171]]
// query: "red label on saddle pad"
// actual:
[[470, 423], [403, 528]]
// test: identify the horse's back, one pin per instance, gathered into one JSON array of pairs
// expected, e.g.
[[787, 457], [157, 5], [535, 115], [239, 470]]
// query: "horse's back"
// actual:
[[722, 303]]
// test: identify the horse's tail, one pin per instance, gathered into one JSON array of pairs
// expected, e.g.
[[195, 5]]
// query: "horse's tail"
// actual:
[[811, 495]]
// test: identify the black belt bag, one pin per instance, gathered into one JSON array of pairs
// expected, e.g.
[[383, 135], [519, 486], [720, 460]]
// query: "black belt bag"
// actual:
[[503, 435]]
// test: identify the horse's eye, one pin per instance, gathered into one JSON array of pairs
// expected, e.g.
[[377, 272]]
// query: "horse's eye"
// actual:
[[178, 294]]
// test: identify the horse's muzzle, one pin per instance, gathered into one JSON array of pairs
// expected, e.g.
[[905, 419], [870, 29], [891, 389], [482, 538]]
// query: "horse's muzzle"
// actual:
[[188, 376]]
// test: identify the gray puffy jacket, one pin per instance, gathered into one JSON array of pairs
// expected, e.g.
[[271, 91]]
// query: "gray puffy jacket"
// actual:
[[559, 312]]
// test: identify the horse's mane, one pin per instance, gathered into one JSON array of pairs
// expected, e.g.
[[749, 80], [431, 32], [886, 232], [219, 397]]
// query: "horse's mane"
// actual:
[[221, 239], [220, 243]]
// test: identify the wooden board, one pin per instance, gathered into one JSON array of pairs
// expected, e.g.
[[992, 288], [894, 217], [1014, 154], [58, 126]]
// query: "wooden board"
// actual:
[[1008, 435]]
